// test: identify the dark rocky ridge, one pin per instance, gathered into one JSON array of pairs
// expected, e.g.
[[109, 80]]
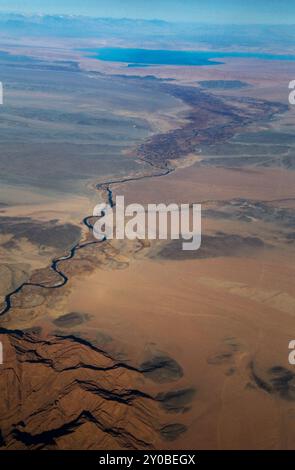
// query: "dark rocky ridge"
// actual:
[[62, 392], [212, 246]]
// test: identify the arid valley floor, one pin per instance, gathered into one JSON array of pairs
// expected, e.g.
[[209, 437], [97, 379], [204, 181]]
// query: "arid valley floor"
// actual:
[[138, 345]]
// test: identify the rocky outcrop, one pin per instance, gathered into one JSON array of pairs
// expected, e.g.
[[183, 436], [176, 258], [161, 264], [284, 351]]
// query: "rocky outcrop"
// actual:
[[62, 392]]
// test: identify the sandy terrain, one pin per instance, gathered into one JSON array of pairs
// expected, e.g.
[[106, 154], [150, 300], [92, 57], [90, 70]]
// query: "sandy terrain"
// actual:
[[215, 317], [148, 346], [213, 184]]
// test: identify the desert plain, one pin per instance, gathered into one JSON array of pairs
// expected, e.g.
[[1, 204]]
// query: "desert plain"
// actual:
[[137, 344]]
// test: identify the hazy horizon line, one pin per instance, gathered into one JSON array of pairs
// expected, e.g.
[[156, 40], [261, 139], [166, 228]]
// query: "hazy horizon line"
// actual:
[[147, 20]]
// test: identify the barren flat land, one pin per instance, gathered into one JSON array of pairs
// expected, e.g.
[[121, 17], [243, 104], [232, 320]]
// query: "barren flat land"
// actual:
[[138, 344]]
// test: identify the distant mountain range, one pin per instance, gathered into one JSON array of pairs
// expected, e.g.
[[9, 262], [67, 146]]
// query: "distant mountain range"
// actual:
[[272, 37]]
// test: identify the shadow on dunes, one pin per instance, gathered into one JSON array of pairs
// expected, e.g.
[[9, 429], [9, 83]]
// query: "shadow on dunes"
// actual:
[[161, 369], [277, 380], [177, 400], [69, 320]]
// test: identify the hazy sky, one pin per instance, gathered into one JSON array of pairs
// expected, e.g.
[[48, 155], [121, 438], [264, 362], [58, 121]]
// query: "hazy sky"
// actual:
[[212, 11]]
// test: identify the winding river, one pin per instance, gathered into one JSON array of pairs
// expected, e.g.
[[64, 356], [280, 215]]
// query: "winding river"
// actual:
[[55, 262]]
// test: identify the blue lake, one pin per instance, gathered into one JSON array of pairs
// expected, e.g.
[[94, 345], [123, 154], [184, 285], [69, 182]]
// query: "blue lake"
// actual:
[[146, 57]]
